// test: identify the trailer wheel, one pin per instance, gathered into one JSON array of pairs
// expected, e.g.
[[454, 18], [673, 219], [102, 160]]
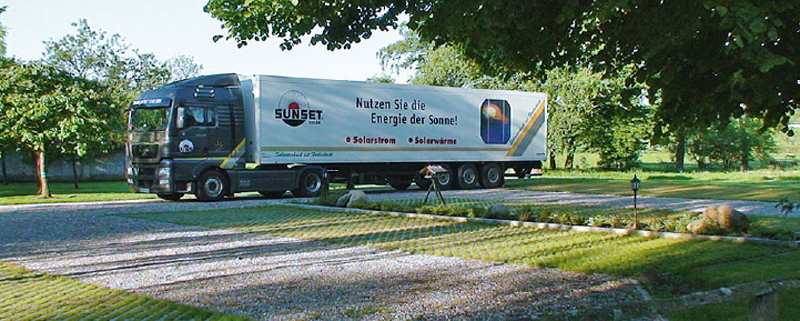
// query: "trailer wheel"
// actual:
[[212, 186], [400, 184], [467, 176], [492, 176], [272, 194], [170, 197], [311, 184], [446, 180]]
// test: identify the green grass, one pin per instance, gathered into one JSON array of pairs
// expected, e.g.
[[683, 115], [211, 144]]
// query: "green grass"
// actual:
[[28, 295], [755, 186], [25, 193]]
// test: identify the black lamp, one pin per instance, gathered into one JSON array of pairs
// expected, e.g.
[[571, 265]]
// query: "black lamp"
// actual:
[[635, 184]]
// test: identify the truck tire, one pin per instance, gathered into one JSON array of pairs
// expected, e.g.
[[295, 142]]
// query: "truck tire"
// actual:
[[446, 180], [467, 176], [492, 176], [212, 186], [400, 184], [170, 197], [272, 194], [310, 185]]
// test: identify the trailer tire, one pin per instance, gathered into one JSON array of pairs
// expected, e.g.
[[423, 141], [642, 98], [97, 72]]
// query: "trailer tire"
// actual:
[[446, 181], [170, 197], [212, 186], [400, 184], [272, 194], [467, 176], [310, 185], [492, 176]]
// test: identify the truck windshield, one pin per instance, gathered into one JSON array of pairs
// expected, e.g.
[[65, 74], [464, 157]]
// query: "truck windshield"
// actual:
[[148, 119]]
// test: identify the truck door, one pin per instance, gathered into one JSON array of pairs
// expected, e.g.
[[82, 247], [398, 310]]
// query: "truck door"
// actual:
[[207, 130], [197, 125]]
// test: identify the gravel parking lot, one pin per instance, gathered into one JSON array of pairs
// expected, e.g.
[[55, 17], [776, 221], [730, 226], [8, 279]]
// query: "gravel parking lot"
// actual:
[[272, 278]]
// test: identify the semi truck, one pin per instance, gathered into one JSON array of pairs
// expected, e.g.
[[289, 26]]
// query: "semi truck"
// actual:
[[216, 135]]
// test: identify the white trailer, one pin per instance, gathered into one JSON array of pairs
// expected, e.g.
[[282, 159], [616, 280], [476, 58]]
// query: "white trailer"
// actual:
[[300, 131]]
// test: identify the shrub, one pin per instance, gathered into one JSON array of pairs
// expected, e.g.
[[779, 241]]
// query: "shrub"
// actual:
[[526, 213]]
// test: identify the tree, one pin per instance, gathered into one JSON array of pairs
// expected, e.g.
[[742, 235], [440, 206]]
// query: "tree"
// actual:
[[708, 60], [2, 34], [46, 109], [94, 55], [735, 144], [183, 67]]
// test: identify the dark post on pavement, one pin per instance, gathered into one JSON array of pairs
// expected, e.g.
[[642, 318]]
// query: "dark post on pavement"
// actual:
[[635, 184]]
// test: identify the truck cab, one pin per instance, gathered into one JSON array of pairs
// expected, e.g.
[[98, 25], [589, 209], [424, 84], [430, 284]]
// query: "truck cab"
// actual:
[[182, 130]]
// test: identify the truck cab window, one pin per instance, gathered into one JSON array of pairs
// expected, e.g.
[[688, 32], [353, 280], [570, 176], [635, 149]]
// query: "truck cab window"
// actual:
[[194, 116]]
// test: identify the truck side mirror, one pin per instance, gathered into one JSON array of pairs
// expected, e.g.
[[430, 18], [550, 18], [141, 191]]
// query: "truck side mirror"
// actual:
[[180, 120]]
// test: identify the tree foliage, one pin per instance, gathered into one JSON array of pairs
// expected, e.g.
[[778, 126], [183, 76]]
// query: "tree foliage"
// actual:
[[2, 35], [44, 110], [705, 61], [94, 55], [583, 104], [183, 67], [734, 145]]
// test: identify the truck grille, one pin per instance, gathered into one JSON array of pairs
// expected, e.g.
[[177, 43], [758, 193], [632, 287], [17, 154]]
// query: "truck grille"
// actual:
[[144, 176], [145, 150]]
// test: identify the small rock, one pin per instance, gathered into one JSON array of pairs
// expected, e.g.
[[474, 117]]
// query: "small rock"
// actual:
[[342, 201], [498, 211]]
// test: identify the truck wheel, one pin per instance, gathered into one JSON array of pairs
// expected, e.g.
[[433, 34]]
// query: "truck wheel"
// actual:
[[311, 184], [212, 186], [467, 176], [492, 176], [400, 184], [170, 197], [446, 180], [272, 194]]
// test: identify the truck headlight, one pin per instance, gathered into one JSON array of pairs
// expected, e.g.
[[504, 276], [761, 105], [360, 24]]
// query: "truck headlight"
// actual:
[[165, 168]]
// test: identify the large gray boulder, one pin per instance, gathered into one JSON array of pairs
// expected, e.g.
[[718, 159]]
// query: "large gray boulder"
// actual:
[[357, 199], [719, 220]]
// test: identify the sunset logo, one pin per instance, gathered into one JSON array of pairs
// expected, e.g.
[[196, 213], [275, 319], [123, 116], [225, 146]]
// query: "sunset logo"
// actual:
[[293, 109], [495, 121]]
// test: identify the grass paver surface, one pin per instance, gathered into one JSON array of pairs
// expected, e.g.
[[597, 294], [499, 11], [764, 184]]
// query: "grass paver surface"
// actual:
[[576, 251], [29, 295]]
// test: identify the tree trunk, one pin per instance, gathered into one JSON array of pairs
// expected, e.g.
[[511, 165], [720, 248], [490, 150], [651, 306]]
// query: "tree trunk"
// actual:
[[552, 160], [41, 176], [5, 172], [75, 176], [680, 152], [745, 160], [569, 162]]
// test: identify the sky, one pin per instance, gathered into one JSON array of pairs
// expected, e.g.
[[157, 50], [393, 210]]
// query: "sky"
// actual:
[[169, 28]]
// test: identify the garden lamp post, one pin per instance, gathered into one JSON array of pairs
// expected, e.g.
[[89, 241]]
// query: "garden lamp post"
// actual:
[[635, 182]]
